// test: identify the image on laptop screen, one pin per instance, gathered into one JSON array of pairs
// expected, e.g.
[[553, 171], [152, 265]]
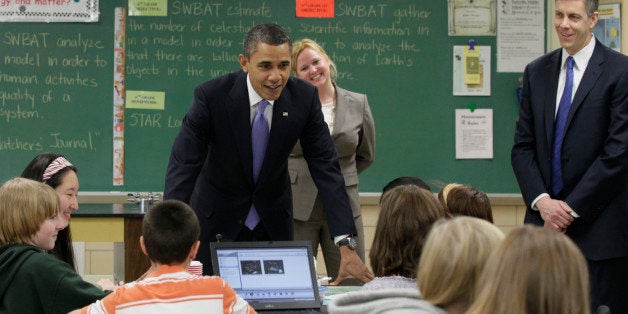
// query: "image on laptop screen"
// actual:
[[269, 275]]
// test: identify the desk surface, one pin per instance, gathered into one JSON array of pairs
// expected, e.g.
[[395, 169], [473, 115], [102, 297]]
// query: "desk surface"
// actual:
[[135, 262], [109, 210]]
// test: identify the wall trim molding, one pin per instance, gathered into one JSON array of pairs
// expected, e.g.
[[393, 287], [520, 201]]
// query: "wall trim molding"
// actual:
[[367, 198]]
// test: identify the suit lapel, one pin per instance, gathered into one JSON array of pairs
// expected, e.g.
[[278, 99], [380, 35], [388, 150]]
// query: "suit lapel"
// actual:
[[340, 115], [239, 113], [551, 88], [591, 75]]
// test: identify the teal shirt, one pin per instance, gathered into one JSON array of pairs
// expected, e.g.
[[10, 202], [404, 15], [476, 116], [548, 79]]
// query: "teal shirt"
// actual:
[[32, 281]]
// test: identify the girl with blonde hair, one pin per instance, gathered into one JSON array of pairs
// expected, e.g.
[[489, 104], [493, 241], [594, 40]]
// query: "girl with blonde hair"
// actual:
[[453, 257], [535, 270]]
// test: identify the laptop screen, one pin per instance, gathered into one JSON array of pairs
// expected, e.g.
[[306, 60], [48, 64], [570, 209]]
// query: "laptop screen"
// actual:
[[268, 275]]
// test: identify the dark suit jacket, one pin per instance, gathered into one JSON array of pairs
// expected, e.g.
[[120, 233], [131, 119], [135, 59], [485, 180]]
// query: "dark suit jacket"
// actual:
[[211, 161], [594, 153]]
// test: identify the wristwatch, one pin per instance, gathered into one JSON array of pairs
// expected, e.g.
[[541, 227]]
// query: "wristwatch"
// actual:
[[349, 242]]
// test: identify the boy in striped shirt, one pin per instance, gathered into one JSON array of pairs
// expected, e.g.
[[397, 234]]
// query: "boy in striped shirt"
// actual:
[[170, 239]]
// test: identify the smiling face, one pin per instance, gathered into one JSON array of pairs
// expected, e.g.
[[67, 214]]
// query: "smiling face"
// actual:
[[268, 68], [47, 233], [67, 192], [313, 67], [573, 24]]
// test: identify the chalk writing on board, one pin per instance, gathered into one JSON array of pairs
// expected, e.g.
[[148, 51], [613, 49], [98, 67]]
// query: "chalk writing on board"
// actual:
[[41, 74], [54, 141], [56, 78], [196, 47], [64, 141]]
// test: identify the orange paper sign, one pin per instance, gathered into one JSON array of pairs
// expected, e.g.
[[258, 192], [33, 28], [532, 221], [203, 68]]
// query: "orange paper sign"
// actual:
[[315, 8]]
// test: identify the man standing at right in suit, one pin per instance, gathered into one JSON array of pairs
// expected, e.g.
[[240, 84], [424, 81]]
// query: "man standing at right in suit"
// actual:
[[570, 153]]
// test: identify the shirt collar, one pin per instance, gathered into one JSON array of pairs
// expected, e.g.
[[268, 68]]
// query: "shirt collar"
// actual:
[[582, 57], [165, 269], [254, 98]]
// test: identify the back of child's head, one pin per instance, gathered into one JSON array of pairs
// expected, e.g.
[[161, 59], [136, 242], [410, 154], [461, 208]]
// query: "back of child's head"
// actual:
[[465, 200], [453, 257], [170, 229], [406, 215], [24, 205], [406, 181], [537, 270]]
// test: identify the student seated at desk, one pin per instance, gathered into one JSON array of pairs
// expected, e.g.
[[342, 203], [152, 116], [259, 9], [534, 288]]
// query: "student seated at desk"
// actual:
[[407, 214], [534, 270], [57, 172], [453, 258], [170, 234], [32, 281]]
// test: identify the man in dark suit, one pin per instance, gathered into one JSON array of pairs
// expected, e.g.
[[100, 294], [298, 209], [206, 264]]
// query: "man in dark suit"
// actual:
[[212, 160], [571, 162]]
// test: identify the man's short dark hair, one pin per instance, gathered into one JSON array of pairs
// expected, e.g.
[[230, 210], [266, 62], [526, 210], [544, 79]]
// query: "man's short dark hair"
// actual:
[[170, 229], [269, 33]]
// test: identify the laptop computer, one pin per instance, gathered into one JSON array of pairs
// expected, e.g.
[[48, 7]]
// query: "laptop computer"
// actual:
[[275, 275]]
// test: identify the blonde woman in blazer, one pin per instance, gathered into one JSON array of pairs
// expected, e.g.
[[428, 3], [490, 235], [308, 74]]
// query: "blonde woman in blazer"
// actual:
[[352, 129]]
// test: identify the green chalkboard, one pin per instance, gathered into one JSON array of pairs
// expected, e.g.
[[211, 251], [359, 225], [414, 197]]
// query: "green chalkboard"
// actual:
[[57, 86]]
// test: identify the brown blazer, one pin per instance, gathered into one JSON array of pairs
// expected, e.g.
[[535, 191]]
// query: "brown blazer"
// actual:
[[354, 138]]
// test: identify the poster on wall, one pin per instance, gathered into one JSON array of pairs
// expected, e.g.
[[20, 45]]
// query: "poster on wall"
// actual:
[[49, 11], [608, 28], [480, 88], [474, 134], [520, 34]]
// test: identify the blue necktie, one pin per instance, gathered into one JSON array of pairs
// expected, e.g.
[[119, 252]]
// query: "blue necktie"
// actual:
[[259, 139], [559, 129]]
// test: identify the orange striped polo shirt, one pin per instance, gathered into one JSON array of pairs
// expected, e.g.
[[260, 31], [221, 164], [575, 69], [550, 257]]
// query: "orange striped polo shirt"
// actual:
[[171, 289]]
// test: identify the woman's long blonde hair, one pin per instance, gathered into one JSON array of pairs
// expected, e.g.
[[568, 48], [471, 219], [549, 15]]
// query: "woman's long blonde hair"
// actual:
[[453, 258], [535, 270]]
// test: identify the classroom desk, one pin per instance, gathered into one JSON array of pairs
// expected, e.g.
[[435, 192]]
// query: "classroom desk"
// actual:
[[113, 223]]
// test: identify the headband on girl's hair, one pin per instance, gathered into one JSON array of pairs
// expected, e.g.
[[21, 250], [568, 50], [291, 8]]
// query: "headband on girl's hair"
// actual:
[[54, 167]]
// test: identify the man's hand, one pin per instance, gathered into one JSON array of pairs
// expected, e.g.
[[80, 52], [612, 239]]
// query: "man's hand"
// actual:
[[556, 213], [351, 265]]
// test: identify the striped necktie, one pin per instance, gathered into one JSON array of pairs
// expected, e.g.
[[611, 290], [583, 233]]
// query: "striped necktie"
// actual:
[[259, 139], [559, 129]]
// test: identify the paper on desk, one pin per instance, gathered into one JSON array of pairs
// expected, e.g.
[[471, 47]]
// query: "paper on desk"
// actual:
[[333, 291]]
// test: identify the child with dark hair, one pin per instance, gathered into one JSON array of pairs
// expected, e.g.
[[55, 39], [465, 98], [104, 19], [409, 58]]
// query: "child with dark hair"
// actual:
[[170, 234], [406, 181], [57, 172], [465, 200], [406, 216]]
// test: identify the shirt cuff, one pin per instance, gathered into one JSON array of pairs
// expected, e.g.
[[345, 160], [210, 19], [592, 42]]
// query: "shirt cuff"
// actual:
[[533, 205], [340, 237], [572, 213]]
